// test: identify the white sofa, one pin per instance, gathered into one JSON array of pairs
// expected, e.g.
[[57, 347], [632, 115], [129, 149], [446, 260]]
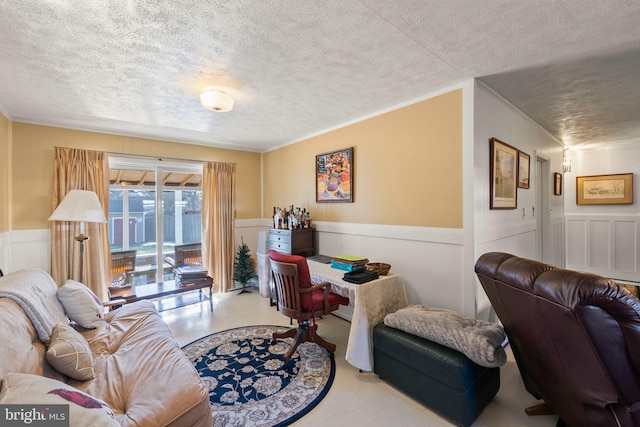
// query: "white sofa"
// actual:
[[141, 376]]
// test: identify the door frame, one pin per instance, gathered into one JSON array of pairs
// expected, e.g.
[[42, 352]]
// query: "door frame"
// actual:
[[543, 212]]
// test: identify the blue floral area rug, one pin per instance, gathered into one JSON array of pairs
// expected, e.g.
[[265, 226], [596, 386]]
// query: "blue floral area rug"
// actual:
[[249, 386]]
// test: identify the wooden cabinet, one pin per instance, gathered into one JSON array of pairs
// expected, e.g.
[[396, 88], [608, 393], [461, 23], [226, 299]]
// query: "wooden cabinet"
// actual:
[[293, 242]]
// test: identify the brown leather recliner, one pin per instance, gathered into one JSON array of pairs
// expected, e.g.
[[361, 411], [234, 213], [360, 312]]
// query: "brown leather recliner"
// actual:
[[575, 338]]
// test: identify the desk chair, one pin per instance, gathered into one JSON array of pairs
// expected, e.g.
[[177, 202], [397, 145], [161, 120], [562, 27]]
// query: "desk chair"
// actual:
[[298, 299]]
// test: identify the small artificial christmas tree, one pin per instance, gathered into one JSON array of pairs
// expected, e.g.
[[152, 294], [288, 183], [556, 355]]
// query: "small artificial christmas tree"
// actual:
[[244, 267]]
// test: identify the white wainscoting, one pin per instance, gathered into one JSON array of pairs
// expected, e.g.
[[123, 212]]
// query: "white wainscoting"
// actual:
[[517, 238], [247, 230], [558, 257], [32, 248], [25, 249], [429, 260], [606, 245], [4, 251]]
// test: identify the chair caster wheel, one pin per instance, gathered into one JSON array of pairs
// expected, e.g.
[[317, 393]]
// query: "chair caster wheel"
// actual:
[[288, 366]]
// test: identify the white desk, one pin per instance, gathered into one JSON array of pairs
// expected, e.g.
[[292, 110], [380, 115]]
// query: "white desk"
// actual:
[[371, 302]]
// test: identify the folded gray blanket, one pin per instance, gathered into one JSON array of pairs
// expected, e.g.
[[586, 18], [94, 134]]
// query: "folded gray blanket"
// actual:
[[478, 340], [35, 292]]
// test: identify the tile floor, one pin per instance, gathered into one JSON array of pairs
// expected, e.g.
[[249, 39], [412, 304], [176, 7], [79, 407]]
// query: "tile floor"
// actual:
[[355, 399]]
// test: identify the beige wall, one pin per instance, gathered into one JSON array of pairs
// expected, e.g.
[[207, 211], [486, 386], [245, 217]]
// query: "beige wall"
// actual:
[[407, 168], [5, 152], [32, 158]]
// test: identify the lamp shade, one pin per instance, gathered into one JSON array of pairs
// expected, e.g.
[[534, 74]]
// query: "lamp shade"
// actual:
[[214, 100], [79, 205]]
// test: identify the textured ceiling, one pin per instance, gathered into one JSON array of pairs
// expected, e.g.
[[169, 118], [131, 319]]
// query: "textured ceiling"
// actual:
[[298, 68]]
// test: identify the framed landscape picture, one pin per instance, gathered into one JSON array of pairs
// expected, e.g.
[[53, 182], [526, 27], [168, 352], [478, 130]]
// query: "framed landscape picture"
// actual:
[[523, 169], [334, 176], [614, 189], [504, 175]]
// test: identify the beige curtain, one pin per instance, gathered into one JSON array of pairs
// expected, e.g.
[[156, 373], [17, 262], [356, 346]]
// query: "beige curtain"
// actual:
[[218, 222], [75, 169]]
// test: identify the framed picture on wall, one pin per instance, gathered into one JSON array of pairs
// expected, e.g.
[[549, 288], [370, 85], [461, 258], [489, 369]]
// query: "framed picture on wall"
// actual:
[[557, 184], [614, 189], [523, 169], [334, 176], [504, 169]]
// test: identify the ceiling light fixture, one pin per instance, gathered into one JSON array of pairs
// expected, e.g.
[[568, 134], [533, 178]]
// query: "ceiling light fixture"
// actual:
[[215, 100]]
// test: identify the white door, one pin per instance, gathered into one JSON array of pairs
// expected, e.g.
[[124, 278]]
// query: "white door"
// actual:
[[541, 209]]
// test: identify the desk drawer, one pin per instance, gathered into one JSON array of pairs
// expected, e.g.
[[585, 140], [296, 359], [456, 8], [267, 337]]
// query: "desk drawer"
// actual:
[[283, 238], [279, 232]]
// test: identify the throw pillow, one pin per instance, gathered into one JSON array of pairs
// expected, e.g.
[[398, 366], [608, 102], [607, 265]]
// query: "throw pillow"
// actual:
[[69, 353], [84, 410], [81, 305]]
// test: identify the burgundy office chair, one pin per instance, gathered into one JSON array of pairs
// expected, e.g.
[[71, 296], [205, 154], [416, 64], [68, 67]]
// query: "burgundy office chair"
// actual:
[[298, 299]]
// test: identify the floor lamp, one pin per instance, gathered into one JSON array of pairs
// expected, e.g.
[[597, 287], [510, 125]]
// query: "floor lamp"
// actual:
[[80, 206]]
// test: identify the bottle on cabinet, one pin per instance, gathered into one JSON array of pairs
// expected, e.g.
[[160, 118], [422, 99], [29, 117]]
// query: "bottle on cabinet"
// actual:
[[291, 218]]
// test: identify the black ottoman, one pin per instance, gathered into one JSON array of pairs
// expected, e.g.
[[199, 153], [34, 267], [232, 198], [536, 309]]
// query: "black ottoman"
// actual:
[[441, 378]]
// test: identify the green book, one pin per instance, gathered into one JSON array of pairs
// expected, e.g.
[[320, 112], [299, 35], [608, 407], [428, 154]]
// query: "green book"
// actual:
[[351, 259]]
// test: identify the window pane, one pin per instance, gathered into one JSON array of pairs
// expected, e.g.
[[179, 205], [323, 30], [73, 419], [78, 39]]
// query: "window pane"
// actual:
[[183, 217], [137, 209]]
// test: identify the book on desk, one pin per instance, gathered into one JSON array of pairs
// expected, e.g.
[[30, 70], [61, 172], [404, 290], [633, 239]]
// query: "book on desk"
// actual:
[[190, 274], [349, 263]]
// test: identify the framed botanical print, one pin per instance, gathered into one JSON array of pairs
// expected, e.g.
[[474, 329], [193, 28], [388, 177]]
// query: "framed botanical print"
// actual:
[[504, 168]]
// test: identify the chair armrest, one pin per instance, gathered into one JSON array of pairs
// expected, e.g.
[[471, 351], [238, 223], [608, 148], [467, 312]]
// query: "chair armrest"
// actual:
[[326, 286]]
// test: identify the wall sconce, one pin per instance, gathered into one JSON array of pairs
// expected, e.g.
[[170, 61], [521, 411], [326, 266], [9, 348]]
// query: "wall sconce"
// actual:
[[566, 163]]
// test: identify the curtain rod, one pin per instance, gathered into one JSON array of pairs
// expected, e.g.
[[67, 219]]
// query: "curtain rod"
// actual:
[[160, 158]]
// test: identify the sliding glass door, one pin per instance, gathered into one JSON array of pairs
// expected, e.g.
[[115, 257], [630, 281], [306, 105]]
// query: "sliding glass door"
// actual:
[[153, 208]]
